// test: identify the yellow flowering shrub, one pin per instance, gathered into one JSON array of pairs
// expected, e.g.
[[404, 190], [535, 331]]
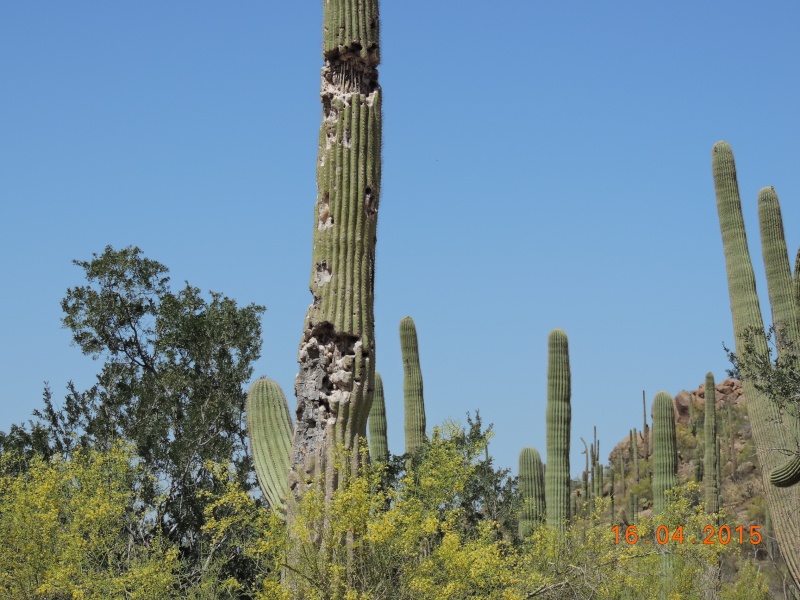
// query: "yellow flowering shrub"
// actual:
[[63, 532]]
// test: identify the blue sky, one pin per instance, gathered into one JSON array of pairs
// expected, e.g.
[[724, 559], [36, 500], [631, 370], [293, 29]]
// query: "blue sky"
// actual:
[[544, 165]]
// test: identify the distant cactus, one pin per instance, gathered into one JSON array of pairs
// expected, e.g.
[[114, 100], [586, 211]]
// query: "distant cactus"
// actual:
[[692, 419], [412, 386], [269, 429], [645, 429], [378, 442], [665, 450], [559, 418], [531, 488], [710, 433]]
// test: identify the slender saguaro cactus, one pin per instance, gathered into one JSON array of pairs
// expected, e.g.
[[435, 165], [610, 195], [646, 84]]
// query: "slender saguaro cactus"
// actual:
[[531, 487], [378, 442], [269, 429], [412, 386], [334, 384], [646, 428], [611, 490], [772, 439], [665, 450], [559, 419], [710, 433], [785, 312]]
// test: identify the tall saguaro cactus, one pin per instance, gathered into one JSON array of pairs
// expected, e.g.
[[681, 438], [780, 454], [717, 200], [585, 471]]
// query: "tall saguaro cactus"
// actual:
[[785, 312], [412, 386], [772, 434], [337, 354], [559, 419], [378, 442], [531, 488], [665, 450]]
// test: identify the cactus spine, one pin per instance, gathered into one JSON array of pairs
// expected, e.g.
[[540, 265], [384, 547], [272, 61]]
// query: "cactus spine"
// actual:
[[559, 418], [531, 487], [771, 441], [378, 442], [412, 386], [269, 429], [334, 385], [710, 434], [665, 450]]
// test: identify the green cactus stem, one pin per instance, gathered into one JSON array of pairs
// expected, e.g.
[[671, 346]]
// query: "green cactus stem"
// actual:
[[770, 438], [378, 441], [784, 309], [559, 418], [711, 487], [611, 490], [335, 382], [269, 429], [531, 488], [665, 450], [645, 429], [412, 386]]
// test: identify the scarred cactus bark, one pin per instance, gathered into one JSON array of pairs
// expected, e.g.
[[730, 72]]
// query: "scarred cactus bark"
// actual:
[[335, 381]]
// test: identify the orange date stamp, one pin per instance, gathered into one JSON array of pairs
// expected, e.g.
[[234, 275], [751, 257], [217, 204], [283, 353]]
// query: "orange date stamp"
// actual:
[[711, 535]]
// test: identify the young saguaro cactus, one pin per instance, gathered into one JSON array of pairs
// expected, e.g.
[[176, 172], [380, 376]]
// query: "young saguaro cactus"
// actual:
[[269, 429], [559, 420], [711, 487], [334, 384], [665, 450], [531, 488], [412, 386], [378, 441], [771, 441]]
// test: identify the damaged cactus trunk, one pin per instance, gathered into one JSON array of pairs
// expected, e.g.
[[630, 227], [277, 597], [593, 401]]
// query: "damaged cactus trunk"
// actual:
[[335, 382]]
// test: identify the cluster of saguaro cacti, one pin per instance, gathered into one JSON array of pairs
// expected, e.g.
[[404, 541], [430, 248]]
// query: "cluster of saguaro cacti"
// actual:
[[665, 450], [775, 434], [269, 429], [531, 488], [559, 419], [412, 386], [378, 440], [711, 458], [335, 382]]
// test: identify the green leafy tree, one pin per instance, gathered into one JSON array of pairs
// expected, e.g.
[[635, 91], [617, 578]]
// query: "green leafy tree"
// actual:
[[171, 382]]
